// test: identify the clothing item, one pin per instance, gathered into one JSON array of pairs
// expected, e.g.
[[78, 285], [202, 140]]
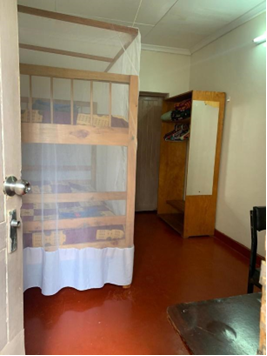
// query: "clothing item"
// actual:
[[167, 116], [178, 115], [183, 105], [180, 133], [182, 110]]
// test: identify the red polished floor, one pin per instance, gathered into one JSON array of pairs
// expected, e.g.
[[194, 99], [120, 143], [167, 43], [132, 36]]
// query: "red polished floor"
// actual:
[[111, 320]]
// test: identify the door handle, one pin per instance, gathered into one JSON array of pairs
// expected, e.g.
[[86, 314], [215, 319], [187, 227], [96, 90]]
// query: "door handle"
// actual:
[[14, 225], [13, 186]]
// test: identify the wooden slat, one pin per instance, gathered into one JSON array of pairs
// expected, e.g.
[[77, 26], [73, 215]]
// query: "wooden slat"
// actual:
[[110, 103], [93, 166], [55, 72], [51, 100], [78, 20], [59, 168], [77, 134], [73, 197], [99, 244], [91, 99], [119, 54], [131, 159], [77, 223], [64, 53], [71, 101], [30, 97], [25, 99]]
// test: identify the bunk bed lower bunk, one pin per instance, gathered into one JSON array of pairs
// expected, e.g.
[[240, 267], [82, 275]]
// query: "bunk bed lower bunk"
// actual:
[[81, 160]]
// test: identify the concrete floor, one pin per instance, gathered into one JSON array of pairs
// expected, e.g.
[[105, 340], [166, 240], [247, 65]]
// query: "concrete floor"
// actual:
[[167, 270]]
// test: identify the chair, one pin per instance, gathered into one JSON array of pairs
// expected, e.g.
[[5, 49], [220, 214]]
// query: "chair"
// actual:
[[257, 223]]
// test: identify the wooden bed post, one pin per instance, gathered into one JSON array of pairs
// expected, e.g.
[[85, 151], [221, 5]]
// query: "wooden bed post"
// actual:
[[30, 98], [93, 166], [51, 101], [131, 161], [71, 102]]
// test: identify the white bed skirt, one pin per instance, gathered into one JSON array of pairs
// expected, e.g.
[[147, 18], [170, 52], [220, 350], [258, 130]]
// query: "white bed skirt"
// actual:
[[80, 269]]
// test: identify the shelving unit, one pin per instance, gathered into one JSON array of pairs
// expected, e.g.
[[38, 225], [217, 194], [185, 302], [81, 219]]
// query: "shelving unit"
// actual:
[[177, 204], [189, 170]]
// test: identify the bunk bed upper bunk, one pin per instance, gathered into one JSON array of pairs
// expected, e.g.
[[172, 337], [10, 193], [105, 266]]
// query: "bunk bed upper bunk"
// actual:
[[40, 125]]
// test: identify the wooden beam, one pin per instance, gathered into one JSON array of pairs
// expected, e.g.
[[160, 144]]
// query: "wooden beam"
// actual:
[[74, 134], [78, 20], [51, 101], [119, 243], [73, 197], [119, 54], [55, 72], [71, 102], [25, 99], [64, 53], [93, 166], [30, 96], [58, 168], [131, 160], [76, 223]]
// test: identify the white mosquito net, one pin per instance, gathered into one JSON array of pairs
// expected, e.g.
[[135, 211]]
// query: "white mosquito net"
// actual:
[[76, 152]]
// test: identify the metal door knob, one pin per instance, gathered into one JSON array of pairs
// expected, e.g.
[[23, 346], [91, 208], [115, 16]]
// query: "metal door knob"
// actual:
[[13, 186], [14, 223]]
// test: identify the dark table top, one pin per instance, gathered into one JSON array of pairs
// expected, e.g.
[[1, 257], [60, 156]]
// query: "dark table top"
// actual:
[[228, 326]]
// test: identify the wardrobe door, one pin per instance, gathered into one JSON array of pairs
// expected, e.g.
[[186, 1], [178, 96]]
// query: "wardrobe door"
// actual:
[[147, 176]]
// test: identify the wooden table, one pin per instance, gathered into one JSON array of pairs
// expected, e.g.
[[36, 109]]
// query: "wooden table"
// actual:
[[227, 326]]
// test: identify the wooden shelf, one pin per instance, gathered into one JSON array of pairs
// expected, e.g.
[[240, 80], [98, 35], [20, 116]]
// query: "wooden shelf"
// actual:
[[177, 204], [176, 221]]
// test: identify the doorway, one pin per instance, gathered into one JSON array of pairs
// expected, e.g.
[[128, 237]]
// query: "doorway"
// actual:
[[149, 128]]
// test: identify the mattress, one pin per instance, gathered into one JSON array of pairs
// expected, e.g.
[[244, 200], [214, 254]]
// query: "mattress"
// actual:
[[32, 212]]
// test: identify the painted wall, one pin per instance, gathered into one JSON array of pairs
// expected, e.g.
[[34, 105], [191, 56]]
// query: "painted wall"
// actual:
[[164, 72], [235, 65]]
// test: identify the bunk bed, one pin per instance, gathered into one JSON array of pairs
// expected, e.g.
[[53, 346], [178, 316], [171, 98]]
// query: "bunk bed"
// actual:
[[79, 206], [79, 98]]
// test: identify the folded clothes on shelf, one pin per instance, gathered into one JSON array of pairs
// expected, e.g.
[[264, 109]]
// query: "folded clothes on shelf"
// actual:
[[178, 115], [182, 110], [183, 105], [180, 133]]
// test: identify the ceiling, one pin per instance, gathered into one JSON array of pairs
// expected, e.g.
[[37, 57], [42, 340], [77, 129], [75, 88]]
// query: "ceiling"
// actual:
[[180, 24]]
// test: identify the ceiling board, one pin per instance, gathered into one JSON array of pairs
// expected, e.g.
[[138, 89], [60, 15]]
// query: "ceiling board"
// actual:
[[123, 10], [40, 4], [174, 38], [151, 11], [143, 28]]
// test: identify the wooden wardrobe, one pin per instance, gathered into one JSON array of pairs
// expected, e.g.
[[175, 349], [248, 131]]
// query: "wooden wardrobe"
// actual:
[[189, 170]]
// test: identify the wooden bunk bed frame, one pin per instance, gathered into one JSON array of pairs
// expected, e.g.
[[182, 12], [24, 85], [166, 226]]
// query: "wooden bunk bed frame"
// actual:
[[86, 135]]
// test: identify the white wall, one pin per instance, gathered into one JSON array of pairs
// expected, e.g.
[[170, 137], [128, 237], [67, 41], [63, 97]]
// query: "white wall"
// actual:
[[233, 64], [164, 72]]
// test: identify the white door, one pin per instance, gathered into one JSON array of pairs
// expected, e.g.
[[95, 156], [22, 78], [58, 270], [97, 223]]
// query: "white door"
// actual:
[[11, 291]]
